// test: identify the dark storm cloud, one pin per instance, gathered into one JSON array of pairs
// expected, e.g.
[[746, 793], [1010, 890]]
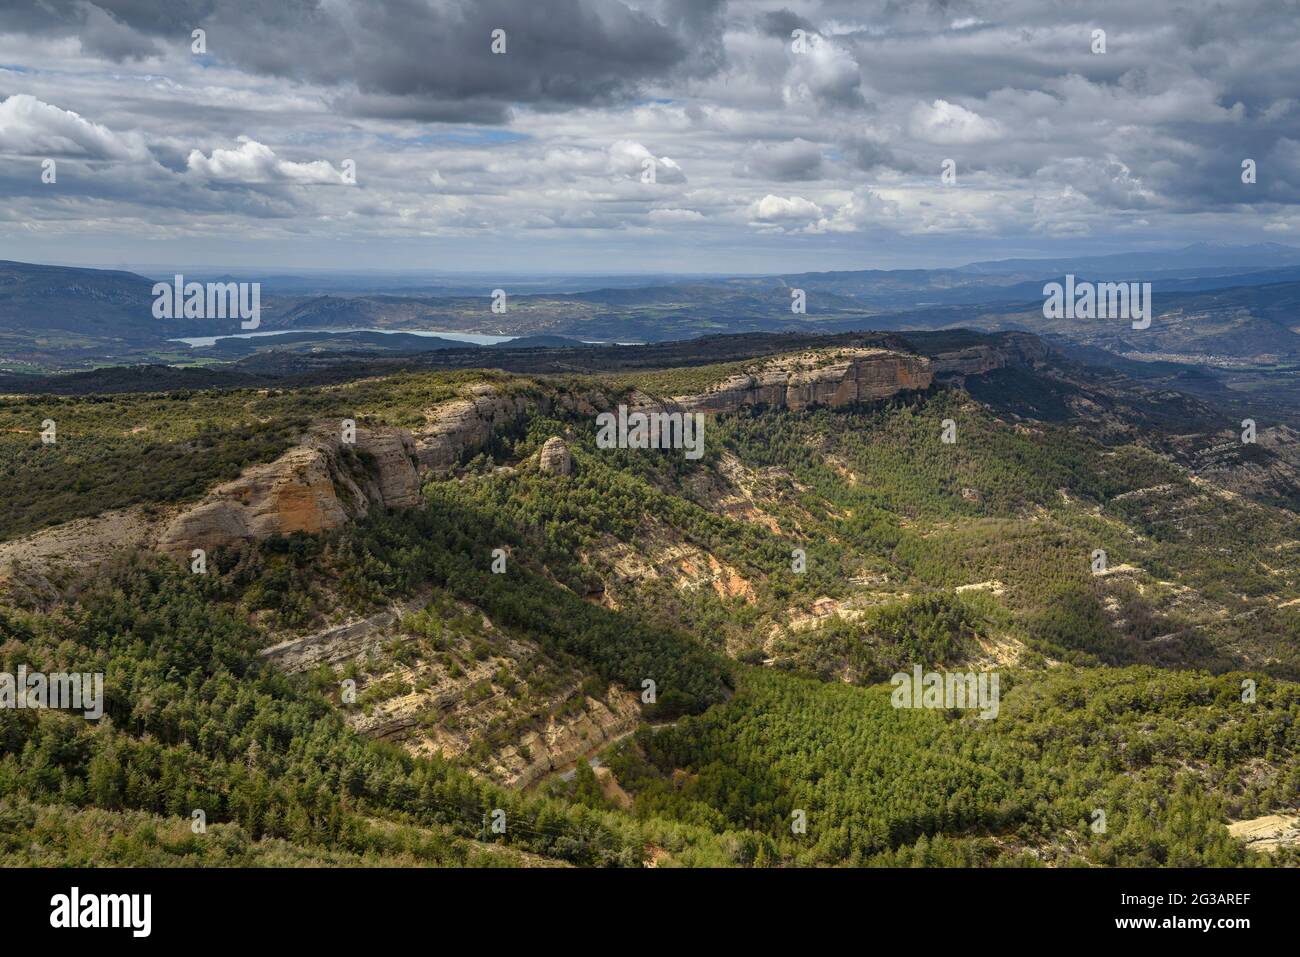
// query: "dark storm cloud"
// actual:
[[105, 35], [872, 156], [783, 162], [423, 108], [415, 59], [782, 23], [91, 21]]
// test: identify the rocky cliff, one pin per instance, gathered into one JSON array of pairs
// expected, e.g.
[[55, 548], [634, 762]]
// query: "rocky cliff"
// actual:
[[464, 424], [316, 485], [312, 488], [324, 481], [826, 377], [555, 457], [1009, 349]]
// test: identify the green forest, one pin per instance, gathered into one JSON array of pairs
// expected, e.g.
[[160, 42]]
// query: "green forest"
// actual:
[[771, 741]]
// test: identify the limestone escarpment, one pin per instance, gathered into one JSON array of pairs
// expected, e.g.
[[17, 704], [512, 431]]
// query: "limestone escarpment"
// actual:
[[317, 485], [463, 424], [322, 482], [832, 377], [313, 487], [1011, 349]]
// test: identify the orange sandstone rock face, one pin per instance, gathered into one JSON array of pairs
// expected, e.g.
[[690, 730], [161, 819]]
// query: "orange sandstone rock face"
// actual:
[[311, 488]]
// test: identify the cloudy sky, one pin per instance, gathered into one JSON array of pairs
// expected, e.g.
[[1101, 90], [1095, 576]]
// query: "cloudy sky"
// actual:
[[336, 133]]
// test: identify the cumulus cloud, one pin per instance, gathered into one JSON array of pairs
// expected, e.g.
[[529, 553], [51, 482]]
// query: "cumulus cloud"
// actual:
[[1106, 181], [29, 126], [865, 209], [825, 73], [950, 124], [784, 211], [253, 162], [632, 160]]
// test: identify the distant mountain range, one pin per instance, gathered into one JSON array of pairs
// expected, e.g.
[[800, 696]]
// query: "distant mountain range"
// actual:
[[1200, 256], [1238, 302]]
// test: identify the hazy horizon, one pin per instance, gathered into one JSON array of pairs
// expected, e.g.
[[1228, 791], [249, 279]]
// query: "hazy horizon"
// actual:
[[154, 268]]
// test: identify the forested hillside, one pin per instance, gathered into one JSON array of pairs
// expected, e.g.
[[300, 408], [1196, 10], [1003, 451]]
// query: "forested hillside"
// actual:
[[719, 634]]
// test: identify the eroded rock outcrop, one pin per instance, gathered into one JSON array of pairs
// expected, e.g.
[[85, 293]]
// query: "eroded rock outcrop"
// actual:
[[442, 701], [1268, 468], [465, 423], [389, 474], [566, 740], [461, 425], [335, 645], [1010, 349], [831, 377], [311, 488], [554, 457], [82, 540]]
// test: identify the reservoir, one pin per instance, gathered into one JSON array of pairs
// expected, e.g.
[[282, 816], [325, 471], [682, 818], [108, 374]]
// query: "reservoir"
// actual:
[[472, 337]]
